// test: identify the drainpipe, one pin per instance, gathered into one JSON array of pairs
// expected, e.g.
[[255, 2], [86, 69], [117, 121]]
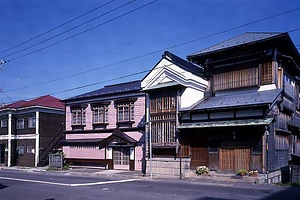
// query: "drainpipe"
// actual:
[[37, 138], [292, 59], [267, 152], [9, 141]]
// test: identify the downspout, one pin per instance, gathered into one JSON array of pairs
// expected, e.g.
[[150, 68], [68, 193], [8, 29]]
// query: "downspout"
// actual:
[[267, 152], [291, 58], [9, 155]]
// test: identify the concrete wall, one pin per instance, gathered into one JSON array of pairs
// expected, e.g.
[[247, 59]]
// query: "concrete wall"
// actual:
[[168, 166]]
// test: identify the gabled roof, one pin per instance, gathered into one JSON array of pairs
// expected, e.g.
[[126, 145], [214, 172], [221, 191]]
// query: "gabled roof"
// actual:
[[244, 39], [184, 64], [110, 89], [118, 134], [45, 101], [239, 100]]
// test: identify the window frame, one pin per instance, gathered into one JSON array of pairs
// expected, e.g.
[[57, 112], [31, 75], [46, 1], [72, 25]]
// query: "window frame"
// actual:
[[29, 150], [126, 110], [30, 123], [23, 123], [100, 111], [4, 125], [80, 115]]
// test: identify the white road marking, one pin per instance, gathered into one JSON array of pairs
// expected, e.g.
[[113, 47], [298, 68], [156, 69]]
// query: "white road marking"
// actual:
[[70, 185]]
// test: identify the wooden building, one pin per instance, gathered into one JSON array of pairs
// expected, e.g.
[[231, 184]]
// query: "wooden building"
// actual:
[[249, 117], [173, 85], [105, 128], [30, 130]]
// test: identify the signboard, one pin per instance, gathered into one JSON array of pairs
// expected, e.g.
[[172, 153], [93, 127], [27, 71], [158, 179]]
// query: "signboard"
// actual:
[[56, 161]]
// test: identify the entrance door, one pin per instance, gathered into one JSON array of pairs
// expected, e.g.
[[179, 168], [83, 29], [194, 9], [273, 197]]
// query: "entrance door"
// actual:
[[234, 159], [121, 157], [199, 151], [2, 153]]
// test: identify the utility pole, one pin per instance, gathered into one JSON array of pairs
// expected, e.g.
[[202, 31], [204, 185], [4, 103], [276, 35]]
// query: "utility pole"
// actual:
[[1, 80]]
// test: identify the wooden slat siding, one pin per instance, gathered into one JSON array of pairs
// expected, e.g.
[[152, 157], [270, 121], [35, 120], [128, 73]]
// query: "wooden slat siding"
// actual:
[[257, 162], [295, 173], [185, 145], [138, 158], [234, 159], [236, 79], [84, 152], [112, 116]]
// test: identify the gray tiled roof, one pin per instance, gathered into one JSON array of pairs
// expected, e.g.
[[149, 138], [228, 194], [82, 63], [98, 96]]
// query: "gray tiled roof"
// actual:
[[237, 100], [246, 38], [111, 89]]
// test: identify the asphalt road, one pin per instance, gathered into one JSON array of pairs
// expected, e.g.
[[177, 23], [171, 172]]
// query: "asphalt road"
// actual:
[[54, 186]]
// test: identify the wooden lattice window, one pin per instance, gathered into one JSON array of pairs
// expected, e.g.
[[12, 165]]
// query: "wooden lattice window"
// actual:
[[163, 117], [236, 79], [266, 73]]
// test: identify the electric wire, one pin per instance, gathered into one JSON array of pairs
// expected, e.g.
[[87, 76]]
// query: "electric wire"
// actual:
[[71, 29], [59, 26], [161, 50], [82, 32]]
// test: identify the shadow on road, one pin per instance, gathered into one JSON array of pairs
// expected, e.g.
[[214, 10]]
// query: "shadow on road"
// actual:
[[2, 186], [290, 193]]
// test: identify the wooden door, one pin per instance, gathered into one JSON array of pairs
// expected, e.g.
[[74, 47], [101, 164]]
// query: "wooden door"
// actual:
[[234, 159], [199, 151]]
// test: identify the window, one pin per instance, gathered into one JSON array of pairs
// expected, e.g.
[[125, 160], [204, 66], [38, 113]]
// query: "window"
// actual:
[[3, 123], [121, 156], [20, 150], [78, 116], [100, 114], [125, 112], [163, 117], [266, 73], [236, 79], [20, 123], [32, 122], [29, 149]]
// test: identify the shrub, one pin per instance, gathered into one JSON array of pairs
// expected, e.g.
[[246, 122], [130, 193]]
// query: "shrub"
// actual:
[[201, 170], [242, 172]]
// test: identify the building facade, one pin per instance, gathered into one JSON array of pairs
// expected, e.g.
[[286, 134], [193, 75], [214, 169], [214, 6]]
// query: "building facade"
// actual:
[[249, 118], [30, 130], [105, 128], [171, 86]]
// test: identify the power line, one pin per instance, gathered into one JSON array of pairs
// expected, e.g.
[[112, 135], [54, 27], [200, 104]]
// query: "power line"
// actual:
[[163, 49], [151, 35], [63, 24], [89, 29], [73, 28]]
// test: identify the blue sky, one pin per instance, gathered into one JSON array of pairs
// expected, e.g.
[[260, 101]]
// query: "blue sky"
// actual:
[[154, 28]]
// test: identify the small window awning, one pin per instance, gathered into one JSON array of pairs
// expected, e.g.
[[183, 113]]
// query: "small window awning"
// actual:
[[162, 85], [118, 137], [80, 141], [231, 123]]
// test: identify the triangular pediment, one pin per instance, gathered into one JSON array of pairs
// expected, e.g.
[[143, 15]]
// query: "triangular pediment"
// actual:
[[166, 72]]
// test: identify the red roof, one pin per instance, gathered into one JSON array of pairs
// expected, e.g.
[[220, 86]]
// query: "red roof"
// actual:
[[45, 101]]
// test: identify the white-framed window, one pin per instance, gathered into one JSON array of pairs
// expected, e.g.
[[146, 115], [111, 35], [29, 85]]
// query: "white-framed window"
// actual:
[[20, 150], [3, 123], [32, 122], [20, 123], [125, 112], [29, 149], [100, 114], [78, 116]]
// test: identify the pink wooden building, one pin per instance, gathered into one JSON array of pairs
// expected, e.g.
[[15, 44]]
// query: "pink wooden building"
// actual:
[[105, 128]]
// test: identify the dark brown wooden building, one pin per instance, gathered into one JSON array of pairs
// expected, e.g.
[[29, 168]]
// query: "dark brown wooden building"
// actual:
[[249, 117], [30, 130]]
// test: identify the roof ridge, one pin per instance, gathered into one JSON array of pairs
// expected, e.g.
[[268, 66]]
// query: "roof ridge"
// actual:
[[117, 84]]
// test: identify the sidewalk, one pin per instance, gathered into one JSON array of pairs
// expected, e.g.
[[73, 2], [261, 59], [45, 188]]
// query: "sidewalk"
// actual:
[[212, 177], [94, 172]]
